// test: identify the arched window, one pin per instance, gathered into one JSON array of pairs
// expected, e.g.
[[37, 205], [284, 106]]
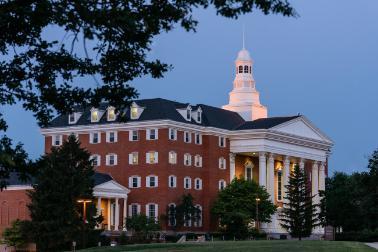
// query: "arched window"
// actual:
[[172, 181], [240, 69], [245, 69], [248, 170], [198, 184], [187, 183]]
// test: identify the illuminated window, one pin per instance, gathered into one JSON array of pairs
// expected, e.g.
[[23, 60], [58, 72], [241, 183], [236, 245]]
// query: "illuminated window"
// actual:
[[134, 112], [133, 158], [111, 114], [172, 157], [152, 157], [95, 117], [279, 185]]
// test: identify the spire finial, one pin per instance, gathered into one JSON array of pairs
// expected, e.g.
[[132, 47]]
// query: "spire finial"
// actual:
[[243, 36]]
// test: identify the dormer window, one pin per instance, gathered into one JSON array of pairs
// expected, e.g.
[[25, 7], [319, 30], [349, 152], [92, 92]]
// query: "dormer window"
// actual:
[[189, 113], [111, 114], [71, 118], [95, 115], [134, 112], [199, 115]]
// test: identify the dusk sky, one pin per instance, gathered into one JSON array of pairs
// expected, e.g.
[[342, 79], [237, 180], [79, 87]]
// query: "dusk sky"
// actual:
[[323, 65]]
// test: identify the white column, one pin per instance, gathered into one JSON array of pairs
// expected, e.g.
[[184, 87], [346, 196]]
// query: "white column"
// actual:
[[262, 169], [116, 224], [124, 214], [270, 172], [322, 176], [99, 206], [315, 182], [109, 214], [232, 166], [286, 174]]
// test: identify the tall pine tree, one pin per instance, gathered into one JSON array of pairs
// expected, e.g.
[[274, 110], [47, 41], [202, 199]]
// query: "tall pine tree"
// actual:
[[64, 176], [299, 215]]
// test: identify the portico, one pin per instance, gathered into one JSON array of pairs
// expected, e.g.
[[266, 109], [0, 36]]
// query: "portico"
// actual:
[[268, 155], [111, 201]]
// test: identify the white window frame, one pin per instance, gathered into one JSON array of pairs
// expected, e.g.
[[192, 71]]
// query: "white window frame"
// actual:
[[189, 183], [169, 220], [187, 159], [220, 182], [139, 180], [108, 113], [131, 135], [148, 157], [75, 115], [134, 109], [221, 140], [108, 136], [93, 111], [174, 181], [198, 184], [91, 137], [199, 137], [222, 163], [189, 136], [198, 160], [188, 113], [53, 140], [132, 156], [115, 159], [148, 134], [199, 115], [174, 131], [172, 157], [156, 210], [148, 181], [130, 213], [96, 158]]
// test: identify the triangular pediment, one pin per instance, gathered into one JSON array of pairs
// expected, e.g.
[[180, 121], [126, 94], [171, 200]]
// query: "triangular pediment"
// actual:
[[302, 127], [111, 186]]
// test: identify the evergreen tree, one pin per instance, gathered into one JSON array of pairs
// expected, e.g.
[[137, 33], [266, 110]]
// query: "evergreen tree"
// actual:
[[64, 176], [235, 207], [184, 212], [299, 215]]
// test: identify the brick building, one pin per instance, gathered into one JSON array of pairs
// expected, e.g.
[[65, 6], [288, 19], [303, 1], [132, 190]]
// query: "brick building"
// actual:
[[166, 149]]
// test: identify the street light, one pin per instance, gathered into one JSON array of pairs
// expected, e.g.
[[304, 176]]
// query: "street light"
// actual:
[[84, 201], [257, 214]]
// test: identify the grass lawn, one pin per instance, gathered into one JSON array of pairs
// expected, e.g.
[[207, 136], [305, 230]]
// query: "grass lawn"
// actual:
[[243, 246]]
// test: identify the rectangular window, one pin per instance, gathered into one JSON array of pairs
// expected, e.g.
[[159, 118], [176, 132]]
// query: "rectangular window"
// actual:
[[111, 114], [95, 115], [134, 210], [172, 134], [151, 211], [135, 182], [152, 157], [172, 157], [222, 141], [95, 137], [279, 185], [187, 159], [111, 136], [152, 181], [187, 137], [172, 181], [134, 113], [198, 138], [152, 134], [71, 118], [133, 158], [111, 159], [134, 135], [198, 161], [57, 140]]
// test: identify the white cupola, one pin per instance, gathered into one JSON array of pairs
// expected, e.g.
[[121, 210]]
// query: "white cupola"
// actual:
[[244, 98]]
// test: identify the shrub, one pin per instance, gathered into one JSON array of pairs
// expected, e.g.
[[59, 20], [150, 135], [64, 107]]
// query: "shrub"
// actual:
[[362, 236], [18, 234]]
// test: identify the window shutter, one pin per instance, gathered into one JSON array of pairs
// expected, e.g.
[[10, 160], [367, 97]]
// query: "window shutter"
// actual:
[[130, 158], [148, 134], [156, 157], [99, 137], [147, 212], [90, 137], [156, 134], [219, 162], [131, 182], [200, 184], [107, 136], [156, 211], [115, 159], [130, 135], [115, 136], [147, 181], [147, 157], [138, 209], [107, 160], [200, 161], [156, 181]]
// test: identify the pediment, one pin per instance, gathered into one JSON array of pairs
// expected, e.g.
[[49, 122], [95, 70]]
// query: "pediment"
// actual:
[[111, 186], [302, 127]]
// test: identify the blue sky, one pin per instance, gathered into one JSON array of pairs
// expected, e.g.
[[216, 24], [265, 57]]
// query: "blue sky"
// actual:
[[323, 64]]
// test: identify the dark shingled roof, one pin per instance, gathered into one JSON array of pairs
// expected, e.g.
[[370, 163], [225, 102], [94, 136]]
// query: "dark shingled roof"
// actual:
[[99, 178], [265, 123], [162, 109]]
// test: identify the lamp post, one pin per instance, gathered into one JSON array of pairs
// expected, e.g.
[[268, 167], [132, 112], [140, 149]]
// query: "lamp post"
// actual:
[[84, 201], [257, 214]]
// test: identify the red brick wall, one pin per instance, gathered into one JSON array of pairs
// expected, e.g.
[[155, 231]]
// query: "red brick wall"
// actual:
[[13, 205], [163, 195]]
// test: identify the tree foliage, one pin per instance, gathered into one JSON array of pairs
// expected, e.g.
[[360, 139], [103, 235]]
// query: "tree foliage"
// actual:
[[64, 176], [235, 207], [142, 226], [106, 40], [351, 201], [299, 214], [184, 212], [18, 234]]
